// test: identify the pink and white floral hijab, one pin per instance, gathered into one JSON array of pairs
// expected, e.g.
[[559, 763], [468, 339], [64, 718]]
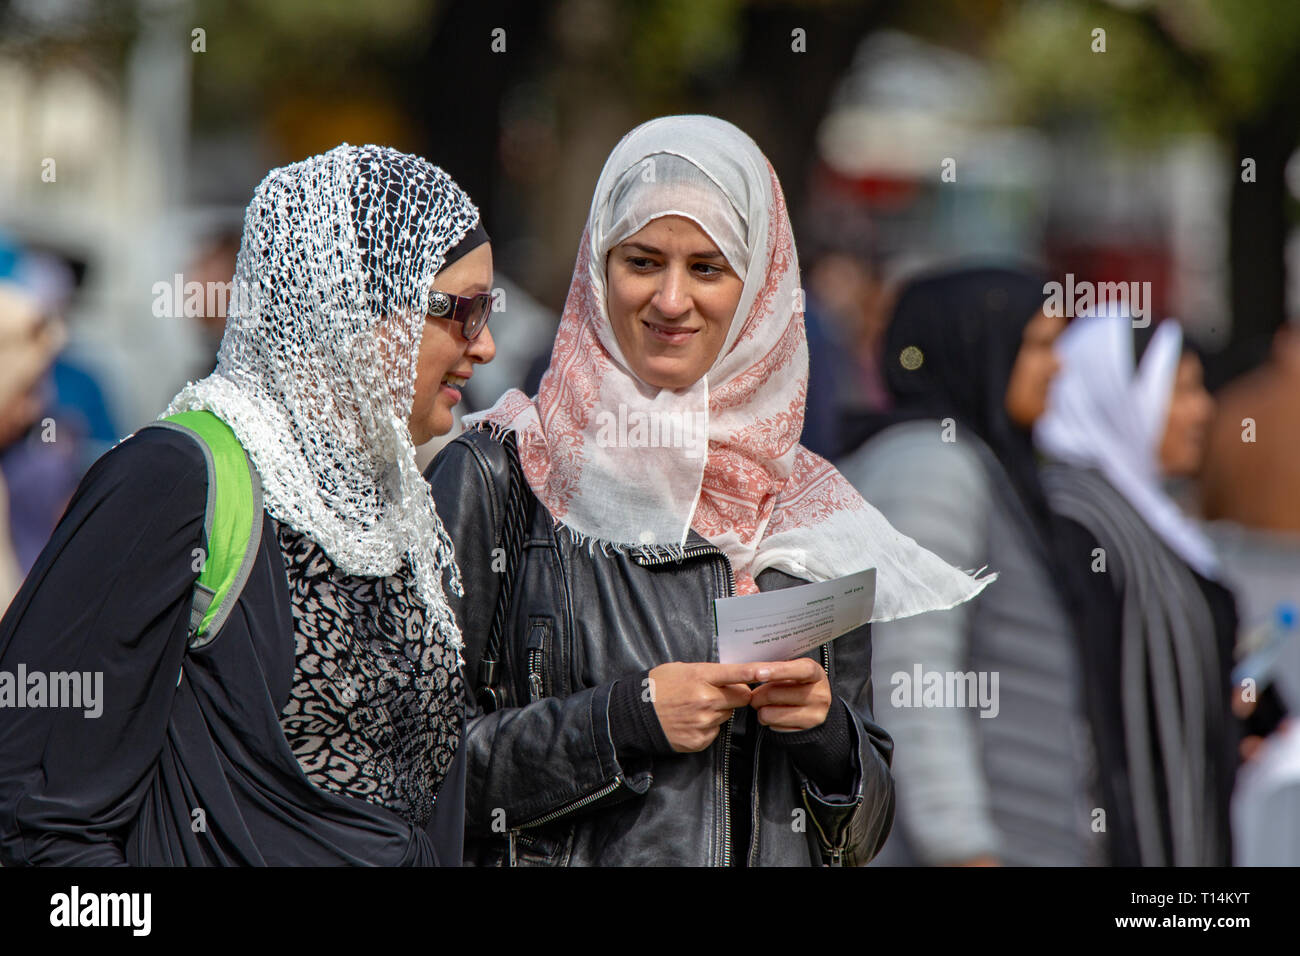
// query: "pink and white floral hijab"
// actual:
[[625, 464]]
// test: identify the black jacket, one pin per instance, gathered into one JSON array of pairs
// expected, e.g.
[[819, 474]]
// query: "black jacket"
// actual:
[[187, 763], [545, 782], [1098, 600]]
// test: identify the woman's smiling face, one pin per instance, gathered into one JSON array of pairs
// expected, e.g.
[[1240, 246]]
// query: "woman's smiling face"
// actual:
[[671, 300], [444, 350]]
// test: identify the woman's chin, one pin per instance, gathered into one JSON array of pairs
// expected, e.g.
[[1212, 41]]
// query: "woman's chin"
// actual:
[[430, 427], [669, 373]]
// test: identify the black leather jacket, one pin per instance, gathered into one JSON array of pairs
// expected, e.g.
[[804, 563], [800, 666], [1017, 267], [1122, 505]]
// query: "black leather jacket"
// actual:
[[545, 785]]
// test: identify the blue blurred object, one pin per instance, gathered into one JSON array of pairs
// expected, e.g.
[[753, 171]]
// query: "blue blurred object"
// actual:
[[41, 469], [1273, 660], [78, 397], [821, 422], [1285, 615], [9, 254]]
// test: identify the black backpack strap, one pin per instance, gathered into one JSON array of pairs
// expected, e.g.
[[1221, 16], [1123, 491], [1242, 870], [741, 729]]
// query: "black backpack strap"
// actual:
[[513, 531]]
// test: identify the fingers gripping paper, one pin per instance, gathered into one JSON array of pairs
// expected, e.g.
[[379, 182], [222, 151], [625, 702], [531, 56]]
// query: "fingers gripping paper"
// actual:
[[784, 624]]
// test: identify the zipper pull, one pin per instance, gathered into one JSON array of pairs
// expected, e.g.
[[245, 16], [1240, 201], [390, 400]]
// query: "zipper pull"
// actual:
[[536, 650], [537, 636]]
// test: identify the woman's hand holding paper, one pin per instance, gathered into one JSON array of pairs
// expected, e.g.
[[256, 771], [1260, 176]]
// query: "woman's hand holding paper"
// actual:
[[797, 695]]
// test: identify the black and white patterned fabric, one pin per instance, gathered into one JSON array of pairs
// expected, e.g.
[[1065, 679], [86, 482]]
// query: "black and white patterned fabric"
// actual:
[[376, 707]]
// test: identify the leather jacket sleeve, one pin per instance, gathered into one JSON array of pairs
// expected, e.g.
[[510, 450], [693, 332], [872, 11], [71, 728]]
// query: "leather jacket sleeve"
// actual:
[[852, 828], [827, 753], [566, 744]]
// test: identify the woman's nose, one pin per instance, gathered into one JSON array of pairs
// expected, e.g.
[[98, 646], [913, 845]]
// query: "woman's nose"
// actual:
[[482, 348], [673, 298]]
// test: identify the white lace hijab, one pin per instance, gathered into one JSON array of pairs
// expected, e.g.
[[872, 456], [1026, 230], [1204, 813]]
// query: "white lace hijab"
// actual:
[[316, 371]]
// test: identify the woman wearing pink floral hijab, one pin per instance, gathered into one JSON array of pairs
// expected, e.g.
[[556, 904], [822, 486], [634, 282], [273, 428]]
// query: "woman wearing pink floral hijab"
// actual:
[[659, 468]]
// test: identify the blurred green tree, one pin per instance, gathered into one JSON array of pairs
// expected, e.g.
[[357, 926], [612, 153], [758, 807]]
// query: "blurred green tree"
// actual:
[[1227, 67]]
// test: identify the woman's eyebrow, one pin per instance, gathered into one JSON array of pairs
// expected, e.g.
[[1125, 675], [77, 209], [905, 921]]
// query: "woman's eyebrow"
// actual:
[[710, 254]]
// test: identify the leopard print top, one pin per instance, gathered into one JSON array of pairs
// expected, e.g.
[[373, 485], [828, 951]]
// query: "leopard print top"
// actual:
[[376, 709]]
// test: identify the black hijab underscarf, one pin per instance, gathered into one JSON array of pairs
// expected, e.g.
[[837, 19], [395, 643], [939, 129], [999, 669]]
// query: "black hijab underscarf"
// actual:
[[408, 192], [949, 352]]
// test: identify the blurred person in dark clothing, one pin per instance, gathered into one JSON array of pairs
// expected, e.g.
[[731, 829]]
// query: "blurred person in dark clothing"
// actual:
[[1127, 412], [1247, 491], [68, 424], [28, 344], [968, 358], [847, 310]]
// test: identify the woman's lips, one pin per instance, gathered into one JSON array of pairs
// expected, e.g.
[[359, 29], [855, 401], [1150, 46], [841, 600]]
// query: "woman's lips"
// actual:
[[453, 388], [664, 333]]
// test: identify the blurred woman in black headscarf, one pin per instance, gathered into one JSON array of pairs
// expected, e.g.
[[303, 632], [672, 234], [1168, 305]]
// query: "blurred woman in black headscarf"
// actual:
[[998, 774]]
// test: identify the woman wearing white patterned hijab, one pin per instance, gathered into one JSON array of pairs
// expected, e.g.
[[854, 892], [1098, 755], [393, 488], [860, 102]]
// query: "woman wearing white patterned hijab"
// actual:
[[316, 372], [738, 475], [663, 449], [320, 724]]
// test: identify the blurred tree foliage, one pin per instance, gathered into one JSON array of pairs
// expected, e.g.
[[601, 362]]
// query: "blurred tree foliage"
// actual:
[[303, 63], [1225, 67], [422, 75]]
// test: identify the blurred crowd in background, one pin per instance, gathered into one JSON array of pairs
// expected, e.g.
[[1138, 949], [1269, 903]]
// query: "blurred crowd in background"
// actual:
[[1148, 141]]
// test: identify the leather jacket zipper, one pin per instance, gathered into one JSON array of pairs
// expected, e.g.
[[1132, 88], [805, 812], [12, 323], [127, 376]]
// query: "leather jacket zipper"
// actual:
[[537, 633], [837, 852], [726, 792], [726, 739], [578, 804], [754, 823], [691, 551], [534, 676]]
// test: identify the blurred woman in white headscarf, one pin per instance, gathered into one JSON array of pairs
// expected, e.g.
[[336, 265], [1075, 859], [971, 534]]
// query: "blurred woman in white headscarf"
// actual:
[[1127, 412]]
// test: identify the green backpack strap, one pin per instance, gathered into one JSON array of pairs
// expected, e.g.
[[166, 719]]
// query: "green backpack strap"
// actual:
[[232, 523]]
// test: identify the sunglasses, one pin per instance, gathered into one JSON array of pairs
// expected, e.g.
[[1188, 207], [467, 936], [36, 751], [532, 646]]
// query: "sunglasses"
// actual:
[[471, 311]]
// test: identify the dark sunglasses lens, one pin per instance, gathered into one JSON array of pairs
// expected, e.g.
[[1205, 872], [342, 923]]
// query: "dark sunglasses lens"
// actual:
[[476, 319]]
